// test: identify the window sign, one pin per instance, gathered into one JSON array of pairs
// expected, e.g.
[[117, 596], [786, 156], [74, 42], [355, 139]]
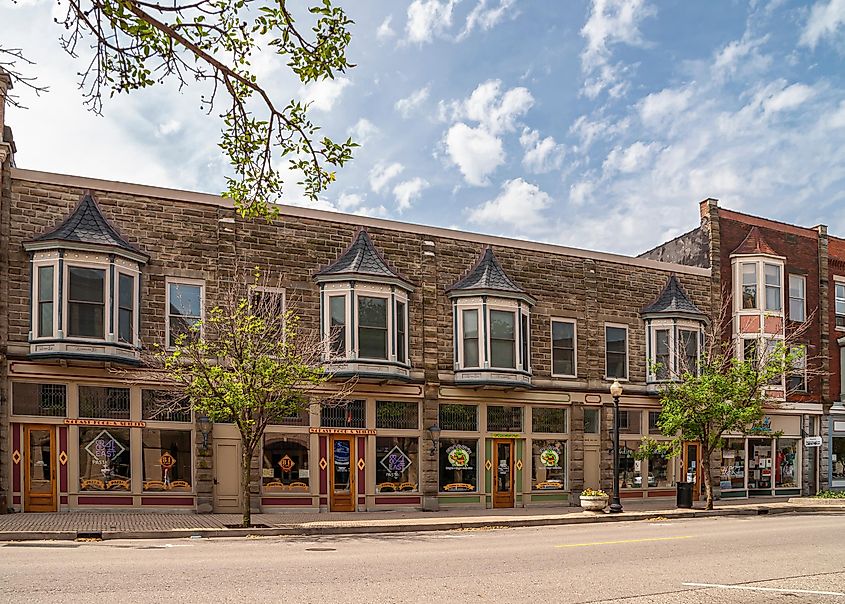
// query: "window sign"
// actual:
[[548, 471], [457, 465], [105, 464], [398, 464]]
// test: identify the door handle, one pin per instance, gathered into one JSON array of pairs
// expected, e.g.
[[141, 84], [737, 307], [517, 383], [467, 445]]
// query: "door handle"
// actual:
[[215, 481]]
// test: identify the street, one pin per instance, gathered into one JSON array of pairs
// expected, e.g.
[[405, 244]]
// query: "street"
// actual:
[[736, 559]]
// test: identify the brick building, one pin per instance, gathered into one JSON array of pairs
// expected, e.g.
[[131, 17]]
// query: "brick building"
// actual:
[[771, 278], [483, 363]]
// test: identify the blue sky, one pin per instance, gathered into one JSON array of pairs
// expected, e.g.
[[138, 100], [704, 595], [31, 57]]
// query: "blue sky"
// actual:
[[593, 123]]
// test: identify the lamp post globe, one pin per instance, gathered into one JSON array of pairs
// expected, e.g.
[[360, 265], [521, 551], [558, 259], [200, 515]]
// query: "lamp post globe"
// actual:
[[615, 392]]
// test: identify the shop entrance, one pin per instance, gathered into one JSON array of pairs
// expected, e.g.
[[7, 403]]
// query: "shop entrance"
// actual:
[[39, 469], [691, 460], [503, 478], [341, 475], [227, 475]]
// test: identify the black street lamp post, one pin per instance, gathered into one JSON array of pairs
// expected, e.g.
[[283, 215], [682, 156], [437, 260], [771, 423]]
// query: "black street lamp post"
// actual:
[[616, 392]]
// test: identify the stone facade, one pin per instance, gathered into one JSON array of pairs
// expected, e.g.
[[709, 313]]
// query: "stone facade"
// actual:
[[201, 237]]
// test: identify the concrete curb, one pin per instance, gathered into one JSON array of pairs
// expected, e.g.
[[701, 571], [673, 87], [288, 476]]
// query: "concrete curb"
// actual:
[[305, 530]]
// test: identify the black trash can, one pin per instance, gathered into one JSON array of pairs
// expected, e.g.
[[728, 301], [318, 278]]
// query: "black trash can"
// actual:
[[685, 495]]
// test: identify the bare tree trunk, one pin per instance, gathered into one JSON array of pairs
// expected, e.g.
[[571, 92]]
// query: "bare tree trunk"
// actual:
[[246, 483], [708, 479]]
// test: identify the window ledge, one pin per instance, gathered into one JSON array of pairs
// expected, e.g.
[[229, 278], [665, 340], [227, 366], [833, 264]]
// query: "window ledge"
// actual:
[[492, 377], [375, 370], [104, 351]]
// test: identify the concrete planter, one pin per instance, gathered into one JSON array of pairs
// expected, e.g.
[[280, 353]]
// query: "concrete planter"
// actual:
[[593, 503]]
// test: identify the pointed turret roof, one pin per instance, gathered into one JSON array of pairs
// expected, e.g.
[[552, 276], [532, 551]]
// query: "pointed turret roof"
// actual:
[[755, 243], [488, 276], [674, 301], [87, 225], [362, 259]]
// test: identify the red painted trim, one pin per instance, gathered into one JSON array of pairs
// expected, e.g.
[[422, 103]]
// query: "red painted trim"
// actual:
[[63, 499], [397, 500], [631, 495], [16, 500], [16, 467], [104, 500], [167, 501], [362, 500], [324, 477], [362, 454], [63, 467], [286, 501], [324, 501], [663, 493]]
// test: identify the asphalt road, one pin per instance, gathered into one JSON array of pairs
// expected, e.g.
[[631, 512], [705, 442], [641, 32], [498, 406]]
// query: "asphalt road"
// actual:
[[769, 559]]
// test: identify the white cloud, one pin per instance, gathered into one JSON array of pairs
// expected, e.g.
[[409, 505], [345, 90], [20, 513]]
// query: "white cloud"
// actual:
[[475, 151], [385, 31], [825, 20], [659, 106], [519, 206], [611, 22], [743, 54], [383, 173], [588, 130], [629, 159], [406, 192], [427, 18], [323, 94], [363, 131], [169, 127], [409, 104], [496, 111], [541, 155], [788, 98], [349, 201], [486, 18]]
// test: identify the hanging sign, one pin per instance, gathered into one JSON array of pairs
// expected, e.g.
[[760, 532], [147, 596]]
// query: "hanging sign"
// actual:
[[813, 441], [349, 431], [108, 423]]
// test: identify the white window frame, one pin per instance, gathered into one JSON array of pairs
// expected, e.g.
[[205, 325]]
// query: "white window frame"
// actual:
[[627, 352], [802, 369], [803, 281], [484, 341], [388, 325], [574, 324], [779, 286], [327, 322], [181, 281], [88, 264], [761, 262], [136, 323], [838, 282], [34, 310]]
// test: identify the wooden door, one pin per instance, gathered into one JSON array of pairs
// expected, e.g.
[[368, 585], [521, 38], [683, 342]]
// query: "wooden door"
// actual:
[[503, 474], [592, 468], [342, 474], [227, 476], [691, 459], [39, 469]]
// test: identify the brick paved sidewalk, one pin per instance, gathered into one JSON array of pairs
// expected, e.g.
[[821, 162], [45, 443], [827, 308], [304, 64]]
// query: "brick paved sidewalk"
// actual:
[[150, 524]]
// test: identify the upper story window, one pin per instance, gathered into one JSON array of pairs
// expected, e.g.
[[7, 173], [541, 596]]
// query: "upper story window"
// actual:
[[563, 348], [492, 321], [85, 284], [749, 285], [674, 333], [840, 304], [365, 314], [184, 309], [616, 351], [774, 295], [758, 274], [797, 298]]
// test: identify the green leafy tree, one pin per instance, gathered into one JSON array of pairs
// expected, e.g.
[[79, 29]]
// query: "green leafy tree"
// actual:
[[249, 363], [210, 45], [721, 395]]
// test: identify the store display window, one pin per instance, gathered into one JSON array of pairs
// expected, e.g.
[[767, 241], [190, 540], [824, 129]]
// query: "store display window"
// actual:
[[548, 469], [397, 467], [732, 472], [837, 459], [284, 466], [630, 469], [660, 472], [167, 460], [786, 463], [104, 459], [458, 465], [760, 463]]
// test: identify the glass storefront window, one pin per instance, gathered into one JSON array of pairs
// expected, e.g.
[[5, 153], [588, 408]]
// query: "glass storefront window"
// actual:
[[549, 420], [733, 465], [630, 469], [459, 417], [167, 460], [591, 421], [106, 403], [629, 421], [548, 470], [104, 459], [397, 467], [760, 463], [504, 419], [458, 465], [285, 463], [660, 472], [46, 400], [837, 458], [164, 406], [787, 463], [397, 415]]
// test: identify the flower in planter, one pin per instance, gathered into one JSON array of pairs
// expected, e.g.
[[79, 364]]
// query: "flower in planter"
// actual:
[[593, 493]]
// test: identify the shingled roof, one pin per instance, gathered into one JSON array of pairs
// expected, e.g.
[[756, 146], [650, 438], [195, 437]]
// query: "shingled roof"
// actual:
[[362, 258], [489, 276], [755, 243], [86, 224], [673, 300]]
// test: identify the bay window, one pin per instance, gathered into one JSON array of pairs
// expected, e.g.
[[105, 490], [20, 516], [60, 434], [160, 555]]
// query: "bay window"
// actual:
[[760, 286], [337, 325], [493, 334], [470, 337], [86, 302], [372, 327], [773, 287], [502, 339], [749, 285], [126, 308], [46, 297]]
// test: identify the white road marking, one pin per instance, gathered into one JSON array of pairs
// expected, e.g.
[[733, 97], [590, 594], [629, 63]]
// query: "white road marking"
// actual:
[[774, 589]]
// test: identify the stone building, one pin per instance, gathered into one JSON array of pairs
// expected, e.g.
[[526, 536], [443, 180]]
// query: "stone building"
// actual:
[[482, 363], [772, 278]]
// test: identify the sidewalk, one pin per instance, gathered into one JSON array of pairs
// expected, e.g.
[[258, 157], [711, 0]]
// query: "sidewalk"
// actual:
[[152, 525]]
